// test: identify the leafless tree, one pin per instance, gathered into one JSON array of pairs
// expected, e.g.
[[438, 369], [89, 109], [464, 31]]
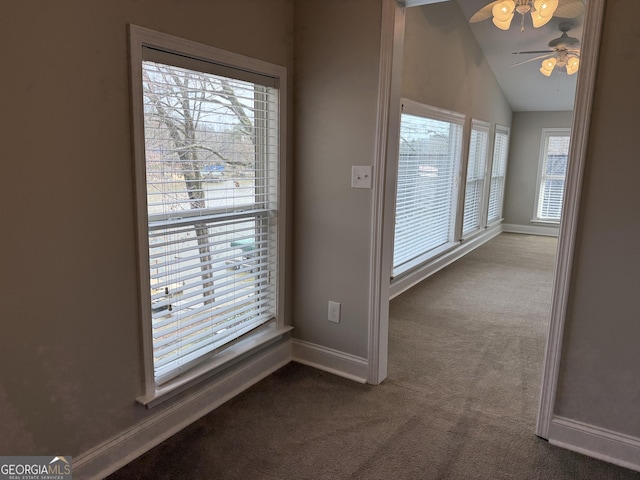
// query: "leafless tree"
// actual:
[[180, 101]]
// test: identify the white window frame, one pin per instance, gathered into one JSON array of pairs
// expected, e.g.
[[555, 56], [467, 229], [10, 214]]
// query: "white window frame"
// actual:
[[139, 38], [411, 107], [499, 176], [547, 133], [481, 127]]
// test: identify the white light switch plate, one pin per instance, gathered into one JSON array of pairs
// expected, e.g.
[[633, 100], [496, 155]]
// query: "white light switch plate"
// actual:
[[361, 176], [334, 312]]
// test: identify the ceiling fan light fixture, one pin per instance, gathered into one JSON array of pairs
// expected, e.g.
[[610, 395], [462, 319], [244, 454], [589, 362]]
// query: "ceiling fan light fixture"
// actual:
[[572, 65], [548, 64]]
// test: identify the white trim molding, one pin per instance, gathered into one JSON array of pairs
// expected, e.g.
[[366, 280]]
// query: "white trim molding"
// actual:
[[594, 18], [418, 3], [330, 360], [386, 142], [544, 230], [600, 443], [121, 449]]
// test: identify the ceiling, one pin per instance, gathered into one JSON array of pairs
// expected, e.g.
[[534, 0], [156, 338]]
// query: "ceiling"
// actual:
[[525, 88]]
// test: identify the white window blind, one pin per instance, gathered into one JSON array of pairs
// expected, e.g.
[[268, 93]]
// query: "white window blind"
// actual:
[[428, 169], [498, 174], [211, 153], [475, 181], [553, 169]]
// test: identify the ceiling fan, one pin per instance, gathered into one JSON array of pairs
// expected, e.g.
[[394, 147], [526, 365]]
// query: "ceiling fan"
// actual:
[[564, 50], [541, 11]]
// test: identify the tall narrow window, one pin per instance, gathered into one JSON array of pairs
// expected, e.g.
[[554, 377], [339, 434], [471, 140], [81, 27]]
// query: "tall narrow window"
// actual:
[[498, 174], [208, 197], [552, 172], [475, 187], [428, 170]]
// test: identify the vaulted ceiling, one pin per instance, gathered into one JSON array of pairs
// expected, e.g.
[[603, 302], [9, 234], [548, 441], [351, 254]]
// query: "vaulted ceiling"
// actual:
[[524, 86]]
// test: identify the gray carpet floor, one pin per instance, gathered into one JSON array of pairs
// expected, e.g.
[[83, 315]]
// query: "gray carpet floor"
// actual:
[[460, 402]]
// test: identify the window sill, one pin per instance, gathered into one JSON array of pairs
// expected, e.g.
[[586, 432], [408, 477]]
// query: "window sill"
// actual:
[[215, 365], [552, 223], [474, 233], [407, 267]]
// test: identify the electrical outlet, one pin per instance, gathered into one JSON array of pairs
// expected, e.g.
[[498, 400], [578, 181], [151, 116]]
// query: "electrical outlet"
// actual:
[[361, 176], [334, 312]]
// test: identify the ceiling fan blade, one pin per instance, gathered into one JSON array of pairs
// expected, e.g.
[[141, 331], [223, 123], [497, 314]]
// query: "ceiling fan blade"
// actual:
[[549, 52], [569, 9], [529, 60], [484, 13]]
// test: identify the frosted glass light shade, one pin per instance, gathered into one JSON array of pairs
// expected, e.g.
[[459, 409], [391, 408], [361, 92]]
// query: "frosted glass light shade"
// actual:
[[538, 20], [503, 11], [545, 8], [503, 25], [572, 65], [548, 64]]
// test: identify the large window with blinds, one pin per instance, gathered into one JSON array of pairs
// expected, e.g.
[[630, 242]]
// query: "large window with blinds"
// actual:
[[427, 186], [208, 160], [498, 174], [552, 170], [476, 185]]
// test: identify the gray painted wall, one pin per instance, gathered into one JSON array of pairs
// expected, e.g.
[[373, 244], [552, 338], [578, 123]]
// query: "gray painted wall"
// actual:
[[71, 362], [524, 155], [444, 67], [337, 52], [600, 368]]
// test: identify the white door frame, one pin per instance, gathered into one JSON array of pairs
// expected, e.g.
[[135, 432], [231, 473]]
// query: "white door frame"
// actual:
[[384, 189], [589, 50], [392, 41]]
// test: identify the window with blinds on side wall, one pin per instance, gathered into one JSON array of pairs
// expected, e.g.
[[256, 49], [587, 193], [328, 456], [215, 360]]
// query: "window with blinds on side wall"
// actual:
[[476, 185], [498, 174], [552, 173], [208, 192], [427, 186]]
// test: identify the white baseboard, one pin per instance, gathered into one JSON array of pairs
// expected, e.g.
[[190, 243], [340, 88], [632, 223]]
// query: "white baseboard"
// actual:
[[405, 282], [612, 447], [116, 452], [531, 229], [332, 361]]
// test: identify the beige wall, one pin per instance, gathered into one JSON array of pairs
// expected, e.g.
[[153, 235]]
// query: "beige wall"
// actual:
[[70, 361], [337, 50], [524, 155], [600, 369], [444, 67]]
